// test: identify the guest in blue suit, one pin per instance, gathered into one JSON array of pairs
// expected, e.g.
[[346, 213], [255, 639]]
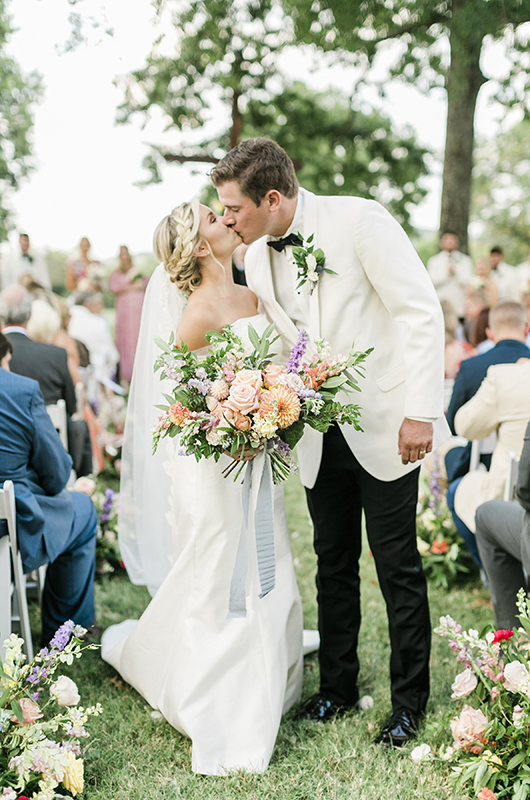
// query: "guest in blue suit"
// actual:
[[507, 328], [55, 527]]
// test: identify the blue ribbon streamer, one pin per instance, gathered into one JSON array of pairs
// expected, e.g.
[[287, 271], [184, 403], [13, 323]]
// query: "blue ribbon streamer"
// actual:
[[263, 525]]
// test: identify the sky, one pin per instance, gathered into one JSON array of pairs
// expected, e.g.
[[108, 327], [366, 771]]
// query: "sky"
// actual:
[[87, 165]]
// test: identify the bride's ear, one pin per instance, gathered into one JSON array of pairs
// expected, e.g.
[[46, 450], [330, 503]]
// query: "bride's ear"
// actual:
[[202, 250]]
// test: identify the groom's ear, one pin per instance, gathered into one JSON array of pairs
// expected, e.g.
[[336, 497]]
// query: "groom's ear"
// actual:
[[273, 199]]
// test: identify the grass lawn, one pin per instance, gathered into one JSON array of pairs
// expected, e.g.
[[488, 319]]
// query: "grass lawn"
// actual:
[[132, 755]]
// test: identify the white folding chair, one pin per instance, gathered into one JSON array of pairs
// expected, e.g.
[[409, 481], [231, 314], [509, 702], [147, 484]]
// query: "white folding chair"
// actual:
[[481, 447], [511, 477], [79, 400], [13, 603], [57, 414]]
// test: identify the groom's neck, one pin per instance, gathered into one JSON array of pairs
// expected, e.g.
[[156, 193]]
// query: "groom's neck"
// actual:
[[285, 216]]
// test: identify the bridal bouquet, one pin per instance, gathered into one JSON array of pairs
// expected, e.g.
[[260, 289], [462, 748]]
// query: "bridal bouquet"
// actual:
[[491, 735], [41, 724], [231, 400]]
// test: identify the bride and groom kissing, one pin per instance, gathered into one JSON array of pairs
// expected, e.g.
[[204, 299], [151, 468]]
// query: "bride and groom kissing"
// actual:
[[226, 682]]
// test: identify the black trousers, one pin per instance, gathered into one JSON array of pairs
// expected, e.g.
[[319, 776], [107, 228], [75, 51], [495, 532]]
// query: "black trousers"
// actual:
[[342, 491]]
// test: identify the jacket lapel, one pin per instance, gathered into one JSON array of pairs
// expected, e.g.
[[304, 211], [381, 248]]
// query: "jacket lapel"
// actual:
[[275, 312], [310, 227]]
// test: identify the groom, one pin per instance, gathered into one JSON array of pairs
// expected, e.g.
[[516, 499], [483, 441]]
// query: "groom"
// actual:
[[382, 297]]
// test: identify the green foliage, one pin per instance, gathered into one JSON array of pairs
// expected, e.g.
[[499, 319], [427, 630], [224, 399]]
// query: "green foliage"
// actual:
[[229, 53], [501, 195], [18, 93], [339, 149]]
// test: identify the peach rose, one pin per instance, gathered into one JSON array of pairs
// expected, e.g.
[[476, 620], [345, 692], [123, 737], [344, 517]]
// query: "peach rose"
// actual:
[[241, 421], [464, 683], [468, 727], [243, 397], [30, 711], [249, 377], [271, 374]]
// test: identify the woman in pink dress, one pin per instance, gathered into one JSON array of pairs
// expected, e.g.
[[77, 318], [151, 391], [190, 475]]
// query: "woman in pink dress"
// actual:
[[129, 287]]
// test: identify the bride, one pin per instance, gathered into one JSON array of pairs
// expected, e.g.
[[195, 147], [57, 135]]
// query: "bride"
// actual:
[[224, 682]]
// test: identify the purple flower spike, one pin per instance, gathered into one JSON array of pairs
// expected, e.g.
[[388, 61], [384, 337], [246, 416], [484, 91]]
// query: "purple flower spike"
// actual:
[[297, 352]]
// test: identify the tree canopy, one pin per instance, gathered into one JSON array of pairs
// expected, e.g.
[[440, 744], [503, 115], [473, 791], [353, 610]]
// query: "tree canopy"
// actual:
[[223, 69], [441, 46], [18, 93]]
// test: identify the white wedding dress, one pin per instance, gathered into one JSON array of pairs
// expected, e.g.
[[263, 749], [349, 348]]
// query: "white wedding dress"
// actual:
[[224, 682]]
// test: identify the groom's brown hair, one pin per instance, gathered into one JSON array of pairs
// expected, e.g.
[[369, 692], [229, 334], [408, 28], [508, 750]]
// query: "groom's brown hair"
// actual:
[[257, 165]]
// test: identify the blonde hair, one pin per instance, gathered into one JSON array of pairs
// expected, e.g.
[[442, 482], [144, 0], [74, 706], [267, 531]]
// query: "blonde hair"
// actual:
[[44, 323], [508, 315], [174, 243]]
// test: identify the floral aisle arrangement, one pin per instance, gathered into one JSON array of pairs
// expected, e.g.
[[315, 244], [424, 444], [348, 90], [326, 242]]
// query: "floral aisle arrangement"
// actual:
[[230, 400], [106, 503], [491, 734], [41, 724], [444, 554]]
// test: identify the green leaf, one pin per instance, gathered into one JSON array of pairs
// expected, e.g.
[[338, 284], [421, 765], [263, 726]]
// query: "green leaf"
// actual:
[[334, 382], [293, 434], [254, 338], [516, 760], [482, 776], [17, 711], [5, 695], [162, 344]]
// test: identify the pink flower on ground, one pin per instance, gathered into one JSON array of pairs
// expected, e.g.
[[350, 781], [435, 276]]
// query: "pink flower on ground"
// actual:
[[468, 727], [464, 683], [486, 794]]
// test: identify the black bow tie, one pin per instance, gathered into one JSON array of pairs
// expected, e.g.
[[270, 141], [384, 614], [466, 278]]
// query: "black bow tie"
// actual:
[[27, 255], [280, 244]]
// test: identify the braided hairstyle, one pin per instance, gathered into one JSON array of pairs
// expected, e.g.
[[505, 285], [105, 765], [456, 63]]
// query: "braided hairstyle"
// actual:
[[174, 243]]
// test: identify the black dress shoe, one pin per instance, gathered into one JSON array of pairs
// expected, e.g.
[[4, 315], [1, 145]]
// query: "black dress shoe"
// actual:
[[401, 728], [319, 709]]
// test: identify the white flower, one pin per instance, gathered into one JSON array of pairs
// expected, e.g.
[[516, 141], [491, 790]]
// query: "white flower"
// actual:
[[518, 717], [366, 702], [9, 794], [423, 546], [312, 275], [293, 381], [421, 753], [311, 263], [490, 636], [65, 691], [464, 683], [516, 678], [212, 437]]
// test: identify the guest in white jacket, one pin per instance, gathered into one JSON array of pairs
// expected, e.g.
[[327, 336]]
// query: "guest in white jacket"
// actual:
[[502, 404], [451, 272]]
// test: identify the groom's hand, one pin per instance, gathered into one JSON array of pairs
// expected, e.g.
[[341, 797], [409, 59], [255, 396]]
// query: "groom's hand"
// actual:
[[414, 440]]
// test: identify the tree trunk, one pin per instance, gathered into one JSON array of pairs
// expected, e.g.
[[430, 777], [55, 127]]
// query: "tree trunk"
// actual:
[[235, 132], [464, 80]]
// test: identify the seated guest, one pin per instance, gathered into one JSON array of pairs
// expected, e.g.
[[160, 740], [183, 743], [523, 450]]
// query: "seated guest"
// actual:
[[54, 527], [475, 300], [503, 538], [456, 350], [502, 404], [46, 364], [507, 329], [88, 324], [6, 351], [479, 337]]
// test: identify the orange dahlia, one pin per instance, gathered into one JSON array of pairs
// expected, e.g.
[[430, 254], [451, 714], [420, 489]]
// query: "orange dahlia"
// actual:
[[283, 402]]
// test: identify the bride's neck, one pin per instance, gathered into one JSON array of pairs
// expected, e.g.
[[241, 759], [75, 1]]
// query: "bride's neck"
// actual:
[[216, 275]]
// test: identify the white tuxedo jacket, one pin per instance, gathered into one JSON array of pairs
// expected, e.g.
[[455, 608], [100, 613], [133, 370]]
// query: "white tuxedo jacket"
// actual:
[[381, 297]]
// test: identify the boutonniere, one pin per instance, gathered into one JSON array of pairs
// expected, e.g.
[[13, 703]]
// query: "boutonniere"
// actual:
[[310, 263]]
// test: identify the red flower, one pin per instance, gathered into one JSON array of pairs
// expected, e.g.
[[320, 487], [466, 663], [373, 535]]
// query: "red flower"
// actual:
[[502, 636], [440, 546]]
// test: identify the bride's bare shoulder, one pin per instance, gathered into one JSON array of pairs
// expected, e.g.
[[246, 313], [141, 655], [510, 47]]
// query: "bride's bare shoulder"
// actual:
[[199, 317]]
